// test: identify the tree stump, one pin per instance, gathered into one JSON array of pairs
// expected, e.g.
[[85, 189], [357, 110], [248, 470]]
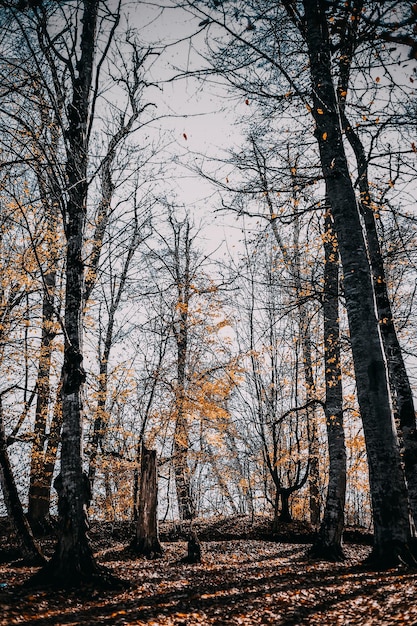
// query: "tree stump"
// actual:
[[193, 549], [146, 539]]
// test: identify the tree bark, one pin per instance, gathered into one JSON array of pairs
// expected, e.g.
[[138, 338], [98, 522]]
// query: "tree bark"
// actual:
[[392, 531], [329, 540], [73, 563], [401, 392], [146, 540]]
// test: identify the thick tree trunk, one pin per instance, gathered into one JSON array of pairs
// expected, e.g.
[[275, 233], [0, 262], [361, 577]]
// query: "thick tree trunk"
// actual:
[[392, 530], [401, 392], [29, 549], [329, 540], [146, 540], [285, 514], [72, 563]]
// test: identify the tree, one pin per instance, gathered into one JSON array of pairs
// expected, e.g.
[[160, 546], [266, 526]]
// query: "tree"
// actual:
[[198, 370], [262, 48], [273, 401], [392, 531], [146, 540], [400, 387], [329, 540], [72, 562]]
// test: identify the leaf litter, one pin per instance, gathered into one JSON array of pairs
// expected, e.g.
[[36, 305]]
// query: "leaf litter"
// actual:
[[240, 581]]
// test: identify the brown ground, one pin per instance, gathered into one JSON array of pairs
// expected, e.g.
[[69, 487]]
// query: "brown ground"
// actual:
[[248, 578]]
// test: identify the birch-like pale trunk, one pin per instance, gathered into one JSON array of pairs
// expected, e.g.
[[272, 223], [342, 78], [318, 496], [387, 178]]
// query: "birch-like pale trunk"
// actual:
[[329, 539]]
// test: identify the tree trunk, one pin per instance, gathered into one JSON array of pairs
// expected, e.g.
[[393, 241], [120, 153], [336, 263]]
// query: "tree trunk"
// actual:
[[186, 505], [46, 471], [51, 196], [186, 508], [146, 540], [29, 549], [329, 540], [401, 392], [392, 530], [285, 514], [193, 549], [38, 507], [72, 563]]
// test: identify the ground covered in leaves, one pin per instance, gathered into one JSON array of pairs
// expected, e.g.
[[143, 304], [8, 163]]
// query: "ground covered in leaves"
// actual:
[[247, 576]]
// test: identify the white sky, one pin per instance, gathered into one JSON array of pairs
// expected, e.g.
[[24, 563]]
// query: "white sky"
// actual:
[[202, 112]]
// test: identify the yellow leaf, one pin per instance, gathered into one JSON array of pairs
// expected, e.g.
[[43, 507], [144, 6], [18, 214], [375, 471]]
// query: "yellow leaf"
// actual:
[[320, 111], [324, 136]]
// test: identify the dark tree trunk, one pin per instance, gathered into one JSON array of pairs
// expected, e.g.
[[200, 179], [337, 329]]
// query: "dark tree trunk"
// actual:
[[329, 540], [401, 392], [392, 531], [28, 547], [186, 507], [285, 515], [73, 563], [146, 540], [193, 549]]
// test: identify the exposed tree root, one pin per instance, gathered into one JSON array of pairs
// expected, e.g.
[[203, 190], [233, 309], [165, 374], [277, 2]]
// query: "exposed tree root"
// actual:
[[75, 576], [193, 549], [148, 551], [393, 554], [331, 552]]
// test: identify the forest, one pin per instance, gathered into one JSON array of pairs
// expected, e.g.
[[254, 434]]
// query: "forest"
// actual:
[[207, 311]]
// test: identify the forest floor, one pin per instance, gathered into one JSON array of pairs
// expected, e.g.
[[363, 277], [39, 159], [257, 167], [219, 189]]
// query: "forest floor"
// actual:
[[247, 576]]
